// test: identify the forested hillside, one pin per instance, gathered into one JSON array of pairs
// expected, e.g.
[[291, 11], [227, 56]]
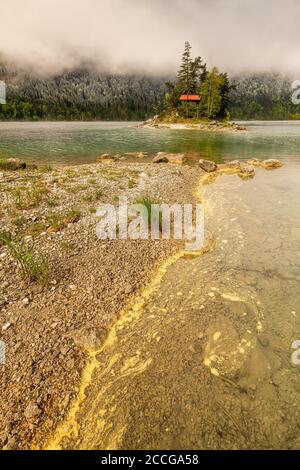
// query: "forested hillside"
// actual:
[[263, 96], [80, 95], [88, 95]]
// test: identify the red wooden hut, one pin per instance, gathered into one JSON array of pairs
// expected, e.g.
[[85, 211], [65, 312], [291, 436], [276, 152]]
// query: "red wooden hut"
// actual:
[[190, 98]]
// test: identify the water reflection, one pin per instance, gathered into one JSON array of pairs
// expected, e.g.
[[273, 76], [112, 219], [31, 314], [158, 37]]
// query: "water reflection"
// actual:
[[72, 143]]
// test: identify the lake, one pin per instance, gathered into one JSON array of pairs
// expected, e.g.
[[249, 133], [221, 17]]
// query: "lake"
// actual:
[[210, 357], [76, 143], [207, 363]]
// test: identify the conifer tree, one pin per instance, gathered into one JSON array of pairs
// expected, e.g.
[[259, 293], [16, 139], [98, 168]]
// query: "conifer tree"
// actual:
[[185, 71], [190, 73]]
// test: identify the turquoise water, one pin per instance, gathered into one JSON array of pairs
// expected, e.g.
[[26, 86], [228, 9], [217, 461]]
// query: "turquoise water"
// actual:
[[76, 143], [207, 364]]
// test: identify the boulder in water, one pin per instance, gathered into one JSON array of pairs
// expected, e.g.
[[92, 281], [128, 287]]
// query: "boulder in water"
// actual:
[[272, 163], [234, 164], [208, 166], [247, 172]]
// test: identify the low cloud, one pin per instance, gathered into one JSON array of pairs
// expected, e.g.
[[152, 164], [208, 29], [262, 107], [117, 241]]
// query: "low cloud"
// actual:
[[124, 36]]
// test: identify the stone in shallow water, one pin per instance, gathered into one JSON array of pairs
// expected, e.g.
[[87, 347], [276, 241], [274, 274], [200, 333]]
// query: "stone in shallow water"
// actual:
[[272, 163], [208, 166], [225, 351], [234, 164], [247, 172], [254, 162], [175, 158]]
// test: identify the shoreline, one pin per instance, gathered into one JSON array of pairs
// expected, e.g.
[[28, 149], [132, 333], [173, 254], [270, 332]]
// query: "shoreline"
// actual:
[[69, 430], [52, 332], [213, 126], [48, 330]]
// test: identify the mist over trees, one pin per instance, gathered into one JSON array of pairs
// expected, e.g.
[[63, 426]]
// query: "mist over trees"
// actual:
[[263, 96], [84, 94], [80, 95]]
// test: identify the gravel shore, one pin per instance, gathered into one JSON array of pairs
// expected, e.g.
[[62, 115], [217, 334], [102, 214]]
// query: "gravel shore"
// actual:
[[48, 330]]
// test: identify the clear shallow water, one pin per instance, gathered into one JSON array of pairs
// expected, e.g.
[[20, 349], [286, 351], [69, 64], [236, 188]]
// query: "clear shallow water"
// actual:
[[76, 143], [206, 363]]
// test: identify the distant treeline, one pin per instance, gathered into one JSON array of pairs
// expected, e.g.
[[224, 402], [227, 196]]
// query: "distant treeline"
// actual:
[[81, 95], [263, 96], [87, 95]]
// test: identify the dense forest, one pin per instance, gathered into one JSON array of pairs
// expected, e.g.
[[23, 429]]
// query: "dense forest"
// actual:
[[263, 96], [88, 95], [80, 95]]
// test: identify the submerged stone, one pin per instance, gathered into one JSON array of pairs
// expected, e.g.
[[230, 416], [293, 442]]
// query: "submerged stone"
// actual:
[[272, 163]]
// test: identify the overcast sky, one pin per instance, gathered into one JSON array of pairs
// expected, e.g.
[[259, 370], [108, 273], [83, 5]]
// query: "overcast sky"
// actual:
[[148, 35]]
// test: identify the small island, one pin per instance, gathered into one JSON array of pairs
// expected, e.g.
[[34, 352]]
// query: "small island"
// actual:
[[197, 99]]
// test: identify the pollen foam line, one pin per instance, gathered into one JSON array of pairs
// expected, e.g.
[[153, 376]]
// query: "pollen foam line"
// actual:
[[70, 427]]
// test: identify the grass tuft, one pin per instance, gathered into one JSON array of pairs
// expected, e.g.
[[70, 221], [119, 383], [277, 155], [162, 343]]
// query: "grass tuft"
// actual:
[[148, 203], [34, 267]]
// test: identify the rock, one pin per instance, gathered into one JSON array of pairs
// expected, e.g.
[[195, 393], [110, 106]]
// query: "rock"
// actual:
[[106, 158], [225, 354], [208, 166], [11, 444], [264, 342], [175, 158], [128, 289], [32, 411], [6, 326], [4, 437], [160, 159], [272, 163], [89, 339], [135, 154], [254, 162], [13, 164], [247, 172], [234, 164]]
